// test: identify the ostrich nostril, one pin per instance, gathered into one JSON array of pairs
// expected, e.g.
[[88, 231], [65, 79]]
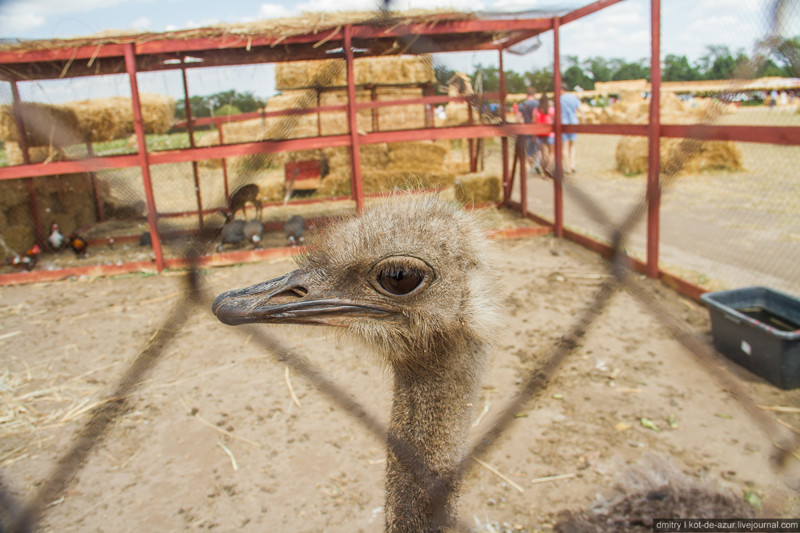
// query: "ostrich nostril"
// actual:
[[289, 295]]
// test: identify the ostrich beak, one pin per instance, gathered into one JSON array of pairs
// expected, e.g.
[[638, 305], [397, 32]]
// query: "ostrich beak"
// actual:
[[289, 299]]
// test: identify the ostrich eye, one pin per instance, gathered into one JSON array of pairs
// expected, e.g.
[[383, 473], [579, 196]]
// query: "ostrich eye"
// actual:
[[401, 276], [400, 281]]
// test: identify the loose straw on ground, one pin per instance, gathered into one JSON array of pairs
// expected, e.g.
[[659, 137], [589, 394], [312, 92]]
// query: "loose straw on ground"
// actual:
[[499, 474], [780, 408], [291, 390], [229, 453], [217, 428], [546, 479]]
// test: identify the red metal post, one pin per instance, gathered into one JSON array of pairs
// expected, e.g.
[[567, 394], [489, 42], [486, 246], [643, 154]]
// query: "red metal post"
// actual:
[[503, 140], [138, 126], [654, 139], [22, 137], [558, 193], [98, 201], [355, 154], [523, 180], [190, 130]]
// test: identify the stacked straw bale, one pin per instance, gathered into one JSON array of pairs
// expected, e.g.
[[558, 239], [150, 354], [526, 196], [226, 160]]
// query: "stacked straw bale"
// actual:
[[456, 114], [338, 184], [478, 188], [385, 70], [631, 156], [41, 122], [335, 122], [633, 109], [631, 152], [106, 119], [99, 120], [400, 117], [37, 154], [385, 167], [66, 199]]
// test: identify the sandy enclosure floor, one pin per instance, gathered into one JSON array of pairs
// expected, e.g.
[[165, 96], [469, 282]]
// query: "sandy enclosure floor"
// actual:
[[214, 439]]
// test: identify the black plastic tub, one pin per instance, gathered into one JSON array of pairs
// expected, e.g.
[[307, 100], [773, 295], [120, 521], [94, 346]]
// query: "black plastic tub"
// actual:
[[759, 328]]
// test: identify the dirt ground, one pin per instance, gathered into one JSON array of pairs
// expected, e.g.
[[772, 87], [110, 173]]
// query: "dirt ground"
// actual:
[[214, 439]]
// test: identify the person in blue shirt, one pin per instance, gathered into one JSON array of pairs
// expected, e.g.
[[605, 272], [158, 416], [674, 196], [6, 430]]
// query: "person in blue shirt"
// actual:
[[570, 111], [525, 113]]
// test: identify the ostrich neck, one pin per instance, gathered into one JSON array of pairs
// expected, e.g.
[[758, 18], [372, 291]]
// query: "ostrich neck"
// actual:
[[431, 416]]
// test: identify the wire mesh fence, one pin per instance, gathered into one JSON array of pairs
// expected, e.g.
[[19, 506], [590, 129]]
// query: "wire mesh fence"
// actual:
[[175, 189]]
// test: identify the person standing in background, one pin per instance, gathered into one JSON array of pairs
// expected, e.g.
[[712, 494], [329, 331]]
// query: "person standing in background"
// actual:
[[544, 115], [525, 113], [570, 109]]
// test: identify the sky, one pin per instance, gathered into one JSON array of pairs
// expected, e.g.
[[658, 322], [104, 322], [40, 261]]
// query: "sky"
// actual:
[[622, 30]]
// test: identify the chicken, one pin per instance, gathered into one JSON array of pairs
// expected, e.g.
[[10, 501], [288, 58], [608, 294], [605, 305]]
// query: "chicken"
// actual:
[[27, 260], [56, 239], [78, 244]]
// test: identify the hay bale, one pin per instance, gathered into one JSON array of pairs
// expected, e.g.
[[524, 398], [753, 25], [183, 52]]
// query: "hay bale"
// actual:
[[271, 188], [456, 114], [632, 156], [18, 237], [335, 122], [374, 181], [373, 157], [37, 154], [41, 121], [400, 117], [333, 72], [420, 156], [478, 188], [12, 193], [105, 119]]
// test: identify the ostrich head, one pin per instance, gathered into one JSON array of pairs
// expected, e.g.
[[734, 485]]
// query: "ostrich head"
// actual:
[[409, 276]]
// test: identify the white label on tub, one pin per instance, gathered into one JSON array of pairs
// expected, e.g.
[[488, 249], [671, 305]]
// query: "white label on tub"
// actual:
[[746, 348]]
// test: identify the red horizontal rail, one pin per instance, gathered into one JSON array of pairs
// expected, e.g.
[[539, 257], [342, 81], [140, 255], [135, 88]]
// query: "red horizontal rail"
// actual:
[[782, 135], [69, 167], [205, 121], [785, 135], [587, 10], [606, 129], [63, 54], [148, 44], [450, 27], [604, 250]]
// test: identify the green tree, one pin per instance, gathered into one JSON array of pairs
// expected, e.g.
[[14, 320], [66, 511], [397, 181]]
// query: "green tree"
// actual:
[[226, 109], [598, 69], [200, 107], [719, 63], [515, 82], [486, 79], [574, 76], [787, 54], [542, 79], [631, 71], [677, 68]]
